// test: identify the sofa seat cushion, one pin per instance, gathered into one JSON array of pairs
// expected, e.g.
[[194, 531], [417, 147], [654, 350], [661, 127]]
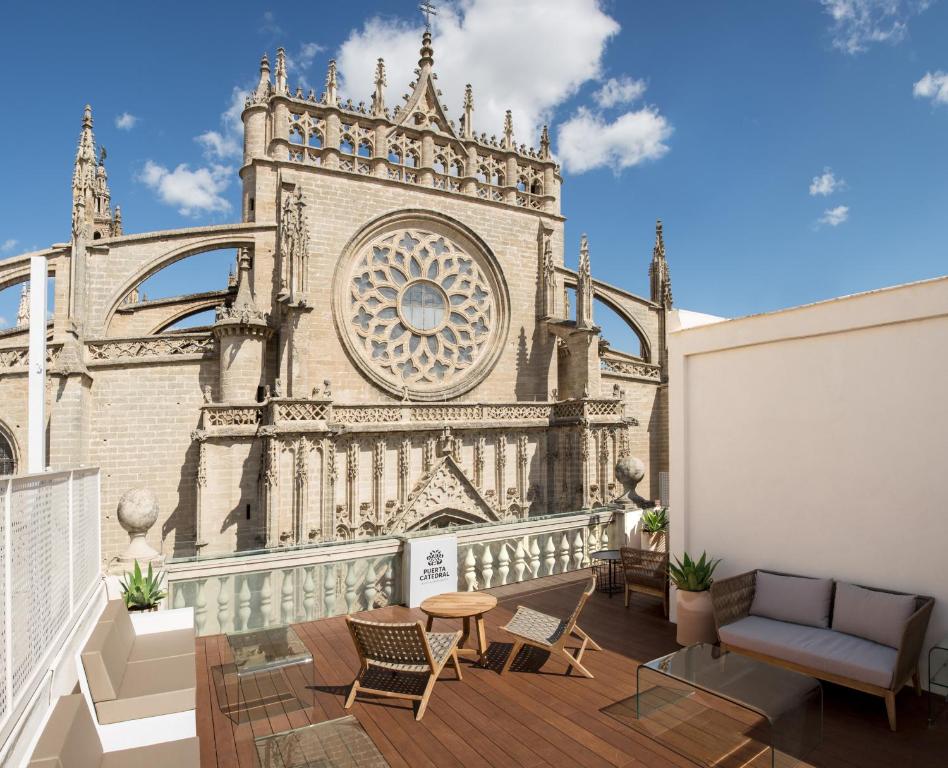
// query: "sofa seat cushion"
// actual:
[[150, 688], [162, 645], [177, 754], [69, 738], [822, 650]]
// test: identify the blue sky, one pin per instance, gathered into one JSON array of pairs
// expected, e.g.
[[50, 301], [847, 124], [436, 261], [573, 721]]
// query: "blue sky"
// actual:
[[716, 117]]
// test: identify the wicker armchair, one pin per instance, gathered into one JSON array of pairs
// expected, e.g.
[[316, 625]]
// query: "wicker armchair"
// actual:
[[550, 633], [731, 600], [645, 572], [391, 652]]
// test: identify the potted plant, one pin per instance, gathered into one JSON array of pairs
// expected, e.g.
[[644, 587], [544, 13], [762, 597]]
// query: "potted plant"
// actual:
[[142, 592], [654, 533], [693, 599]]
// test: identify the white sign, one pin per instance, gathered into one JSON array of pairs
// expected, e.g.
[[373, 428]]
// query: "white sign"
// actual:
[[430, 567]]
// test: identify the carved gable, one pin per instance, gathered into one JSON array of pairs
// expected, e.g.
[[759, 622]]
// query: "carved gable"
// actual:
[[444, 488]]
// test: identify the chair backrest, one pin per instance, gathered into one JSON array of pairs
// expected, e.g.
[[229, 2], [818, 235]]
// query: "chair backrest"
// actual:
[[69, 739], [391, 642], [645, 567], [106, 652], [587, 593]]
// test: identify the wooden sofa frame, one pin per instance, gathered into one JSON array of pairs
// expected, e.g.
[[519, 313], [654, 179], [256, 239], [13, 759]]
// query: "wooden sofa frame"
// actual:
[[731, 600]]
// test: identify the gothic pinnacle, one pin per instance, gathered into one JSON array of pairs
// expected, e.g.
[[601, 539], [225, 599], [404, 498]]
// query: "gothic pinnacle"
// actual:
[[427, 52], [508, 130], [281, 71], [87, 117], [332, 95], [378, 98], [545, 143], [468, 109], [584, 255], [659, 251]]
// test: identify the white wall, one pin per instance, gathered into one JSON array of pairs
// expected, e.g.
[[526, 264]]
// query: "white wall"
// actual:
[[815, 441]]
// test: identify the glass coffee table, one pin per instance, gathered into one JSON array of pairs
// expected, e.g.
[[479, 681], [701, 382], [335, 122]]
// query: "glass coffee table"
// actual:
[[341, 743], [718, 708], [259, 652]]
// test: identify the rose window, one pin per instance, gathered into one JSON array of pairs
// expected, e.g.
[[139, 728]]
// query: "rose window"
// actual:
[[422, 311]]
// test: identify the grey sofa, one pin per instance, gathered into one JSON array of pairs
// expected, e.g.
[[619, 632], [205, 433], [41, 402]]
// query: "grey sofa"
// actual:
[[861, 637]]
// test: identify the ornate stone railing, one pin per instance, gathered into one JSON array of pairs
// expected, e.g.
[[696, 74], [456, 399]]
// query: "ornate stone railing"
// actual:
[[440, 414], [17, 357], [493, 556], [231, 595], [185, 345], [232, 415], [617, 363], [300, 410], [574, 410]]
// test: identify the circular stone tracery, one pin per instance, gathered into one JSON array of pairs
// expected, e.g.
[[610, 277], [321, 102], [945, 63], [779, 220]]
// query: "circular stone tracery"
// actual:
[[421, 311]]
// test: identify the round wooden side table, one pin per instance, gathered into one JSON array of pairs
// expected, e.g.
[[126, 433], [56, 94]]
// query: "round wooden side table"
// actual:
[[464, 606]]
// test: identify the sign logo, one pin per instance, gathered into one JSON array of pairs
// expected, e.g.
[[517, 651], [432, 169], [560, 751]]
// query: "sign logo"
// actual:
[[435, 557]]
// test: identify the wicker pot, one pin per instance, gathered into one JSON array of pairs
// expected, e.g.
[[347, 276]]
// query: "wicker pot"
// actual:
[[695, 618], [654, 542]]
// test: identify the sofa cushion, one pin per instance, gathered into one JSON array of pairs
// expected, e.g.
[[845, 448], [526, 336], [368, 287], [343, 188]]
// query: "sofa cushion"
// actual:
[[183, 753], [104, 657], [150, 688], [873, 615], [792, 598], [822, 650], [69, 739]]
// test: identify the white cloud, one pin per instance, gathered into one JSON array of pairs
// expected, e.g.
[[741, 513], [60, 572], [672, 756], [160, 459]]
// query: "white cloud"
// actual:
[[622, 90], [934, 86], [587, 141], [826, 184], [859, 23], [126, 121], [227, 142], [835, 216], [193, 192], [482, 42], [269, 25], [8, 245]]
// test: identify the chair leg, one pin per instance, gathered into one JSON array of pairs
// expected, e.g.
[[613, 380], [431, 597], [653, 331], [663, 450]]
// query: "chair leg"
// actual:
[[518, 644], [424, 697], [575, 662], [352, 694], [455, 663], [627, 590], [890, 708], [917, 682], [593, 645]]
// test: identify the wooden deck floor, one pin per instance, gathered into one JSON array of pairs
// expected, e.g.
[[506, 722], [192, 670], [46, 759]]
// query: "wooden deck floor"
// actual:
[[534, 717]]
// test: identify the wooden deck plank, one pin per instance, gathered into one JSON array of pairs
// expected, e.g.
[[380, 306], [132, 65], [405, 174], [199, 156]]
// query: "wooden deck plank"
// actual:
[[533, 718]]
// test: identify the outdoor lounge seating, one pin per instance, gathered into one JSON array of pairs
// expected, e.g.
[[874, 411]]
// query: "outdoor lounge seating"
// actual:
[[861, 637], [69, 740], [549, 633], [132, 677], [645, 572], [395, 654]]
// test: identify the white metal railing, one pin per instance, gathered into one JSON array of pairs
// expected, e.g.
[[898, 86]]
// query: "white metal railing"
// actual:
[[50, 563], [497, 555]]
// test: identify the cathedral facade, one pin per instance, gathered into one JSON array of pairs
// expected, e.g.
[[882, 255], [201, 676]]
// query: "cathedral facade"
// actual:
[[401, 346]]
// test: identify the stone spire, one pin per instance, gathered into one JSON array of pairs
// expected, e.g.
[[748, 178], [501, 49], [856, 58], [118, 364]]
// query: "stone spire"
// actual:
[[332, 86], [508, 130], [117, 222], [244, 300], [281, 87], [468, 127], [262, 91], [545, 143], [23, 311], [427, 52], [378, 98], [659, 278], [83, 175], [584, 287]]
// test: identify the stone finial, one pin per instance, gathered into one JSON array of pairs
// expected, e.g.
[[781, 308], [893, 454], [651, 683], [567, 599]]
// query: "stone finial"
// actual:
[[332, 85], [508, 131], [137, 513], [281, 87], [545, 143], [23, 311], [630, 471], [427, 52], [468, 129], [378, 98]]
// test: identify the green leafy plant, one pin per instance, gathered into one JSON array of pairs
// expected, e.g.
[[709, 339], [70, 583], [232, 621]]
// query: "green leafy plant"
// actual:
[[142, 592], [692, 575], [655, 520]]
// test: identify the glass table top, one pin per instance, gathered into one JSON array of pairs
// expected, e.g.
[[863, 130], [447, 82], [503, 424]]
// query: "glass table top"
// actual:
[[259, 650], [341, 743], [767, 689]]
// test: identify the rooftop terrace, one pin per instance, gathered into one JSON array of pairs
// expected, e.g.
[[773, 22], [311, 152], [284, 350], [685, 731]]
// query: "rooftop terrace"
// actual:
[[535, 716]]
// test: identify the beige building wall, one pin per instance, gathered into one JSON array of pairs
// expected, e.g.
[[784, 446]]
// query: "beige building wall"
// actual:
[[814, 440]]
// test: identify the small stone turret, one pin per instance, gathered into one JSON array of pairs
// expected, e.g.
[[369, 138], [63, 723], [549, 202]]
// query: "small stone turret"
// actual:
[[659, 278], [23, 311], [241, 330]]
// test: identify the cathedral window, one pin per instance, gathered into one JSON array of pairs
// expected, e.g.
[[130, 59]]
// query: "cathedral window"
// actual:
[[482, 175], [296, 134], [457, 169], [315, 139], [7, 461], [411, 159], [346, 145], [440, 165], [365, 149]]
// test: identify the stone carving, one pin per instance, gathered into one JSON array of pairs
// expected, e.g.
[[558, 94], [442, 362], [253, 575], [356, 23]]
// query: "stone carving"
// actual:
[[612, 363], [584, 288], [445, 488], [137, 513], [202, 345], [630, 471], [225, 416], [302, 410], [419, 311], [294, 246]]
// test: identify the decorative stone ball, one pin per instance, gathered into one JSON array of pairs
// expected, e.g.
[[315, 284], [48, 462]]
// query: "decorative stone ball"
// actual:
[[629, 472], [138, 510]]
